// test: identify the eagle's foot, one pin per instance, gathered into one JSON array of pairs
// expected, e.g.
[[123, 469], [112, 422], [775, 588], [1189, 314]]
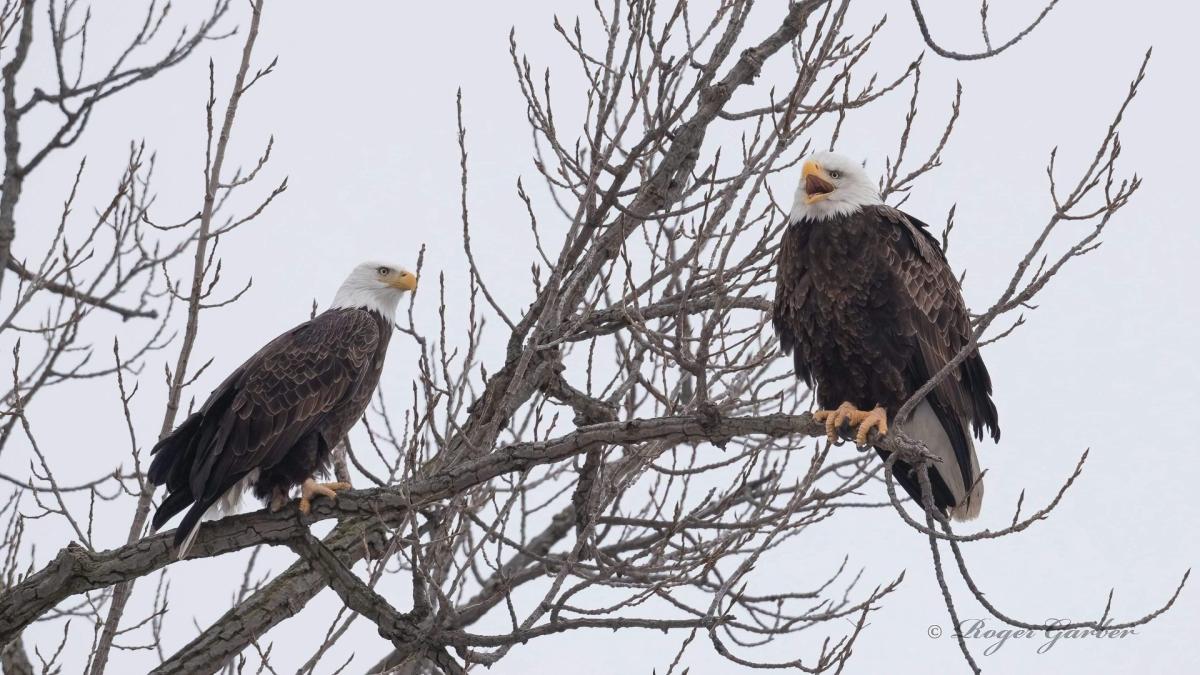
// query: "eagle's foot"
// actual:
[[279, 499], [311, 488], [847, 412], [833, 419]]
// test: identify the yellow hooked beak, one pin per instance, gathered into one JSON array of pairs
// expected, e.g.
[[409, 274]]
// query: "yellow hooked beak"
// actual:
[[817, 185], [405, 281]]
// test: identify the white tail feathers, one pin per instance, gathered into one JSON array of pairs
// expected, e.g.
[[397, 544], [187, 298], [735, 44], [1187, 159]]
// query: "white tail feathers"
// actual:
[[924, 425], [191, 538], [968, 507], [228, 503]]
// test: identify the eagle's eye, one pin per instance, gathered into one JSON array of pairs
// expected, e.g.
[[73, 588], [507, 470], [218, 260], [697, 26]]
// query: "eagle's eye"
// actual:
[[835, 174], [383, 271]]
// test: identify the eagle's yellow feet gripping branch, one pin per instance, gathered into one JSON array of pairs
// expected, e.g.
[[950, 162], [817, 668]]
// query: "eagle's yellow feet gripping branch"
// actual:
[[311, 488], [847, 412]]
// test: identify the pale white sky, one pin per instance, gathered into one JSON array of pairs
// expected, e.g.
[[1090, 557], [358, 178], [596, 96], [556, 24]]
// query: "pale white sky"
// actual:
[[362, 109]]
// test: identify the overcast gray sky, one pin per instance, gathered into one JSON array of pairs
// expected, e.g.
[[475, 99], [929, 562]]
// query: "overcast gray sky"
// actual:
[[362, 109]]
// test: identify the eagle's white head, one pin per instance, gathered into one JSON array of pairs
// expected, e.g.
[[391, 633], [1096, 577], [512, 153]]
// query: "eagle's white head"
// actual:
[[832, 185], [376, 286]]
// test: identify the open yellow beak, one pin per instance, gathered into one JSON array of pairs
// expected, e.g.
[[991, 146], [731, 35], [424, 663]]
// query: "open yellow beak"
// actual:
[[817, 185], [405, 281]]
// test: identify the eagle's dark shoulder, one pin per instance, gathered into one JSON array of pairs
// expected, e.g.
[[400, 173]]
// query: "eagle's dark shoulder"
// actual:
[[315, 356], [906, 232], [306, 371]]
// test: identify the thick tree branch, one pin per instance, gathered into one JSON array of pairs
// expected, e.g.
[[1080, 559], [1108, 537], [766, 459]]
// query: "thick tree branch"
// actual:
[[75, 570]]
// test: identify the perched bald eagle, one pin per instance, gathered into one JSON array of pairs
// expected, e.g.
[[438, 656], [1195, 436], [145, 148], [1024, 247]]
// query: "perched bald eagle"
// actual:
[[273, 423], [870, 311]]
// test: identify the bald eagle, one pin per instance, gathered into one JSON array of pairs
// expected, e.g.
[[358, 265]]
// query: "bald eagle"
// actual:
[[870, 310], [273, 423]]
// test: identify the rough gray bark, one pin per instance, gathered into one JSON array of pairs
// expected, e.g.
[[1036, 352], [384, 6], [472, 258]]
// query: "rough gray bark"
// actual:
[[279, 600], [14, 660]]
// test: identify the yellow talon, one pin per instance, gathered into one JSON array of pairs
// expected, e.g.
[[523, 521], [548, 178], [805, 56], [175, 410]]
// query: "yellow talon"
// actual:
[[877, 418], [311, 488], [847, 412]]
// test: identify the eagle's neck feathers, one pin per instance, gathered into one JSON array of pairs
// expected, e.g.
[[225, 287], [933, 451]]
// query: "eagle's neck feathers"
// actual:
[[357, 296]]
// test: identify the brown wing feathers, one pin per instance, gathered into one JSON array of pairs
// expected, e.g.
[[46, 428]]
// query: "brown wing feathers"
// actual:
[[791, 290], [942, 326]]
